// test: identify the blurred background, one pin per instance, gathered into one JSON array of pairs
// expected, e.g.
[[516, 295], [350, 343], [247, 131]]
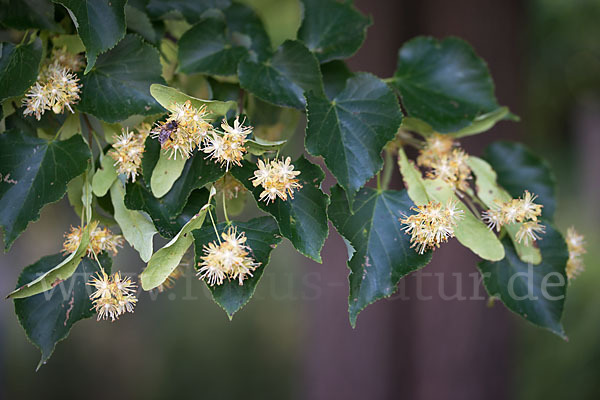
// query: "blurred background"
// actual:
[[293, 340]]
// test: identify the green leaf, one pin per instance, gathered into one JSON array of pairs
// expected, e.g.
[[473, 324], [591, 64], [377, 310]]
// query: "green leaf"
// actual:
[[283, 78], [335, 74], [303, 219], [350, 130], [443, 83], [166, 172], [165, 260], [197, 172], [150, 159], [100, 24], [118, 86], [34, 172], [262, 237], [332, 29], [191, 10], [246, 27], [168, 96], [57, 274], [18, 67], [138, 21], [258, 146], [489, 192], [73, 43], [104, 177], [382, 253], [519, 169], [207, 49], [136, 227], [28, 14], [536, 293], [47, 318]]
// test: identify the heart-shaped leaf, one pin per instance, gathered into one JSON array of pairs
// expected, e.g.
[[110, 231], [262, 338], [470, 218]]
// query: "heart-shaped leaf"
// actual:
[[48, 317], [350, 130], [168, 96], [332, 29], [537, 293], [303, 219], [100, 24], [28, 14], [262, 237], [283, 78], [18, 67], [443, 83], [35, 172], [382, 253], [119, 84]]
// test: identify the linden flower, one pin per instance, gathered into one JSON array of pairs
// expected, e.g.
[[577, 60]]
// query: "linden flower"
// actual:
[[435, 147], [114, 295], [169, 283], [575, 244], [514, 211], [184, 130], [73, 62], [228, 148], [101, 239], [530, 231], [55, 89], [229, 259], [277, 178], [432, 225], [127, 152], [230, 186], [452, 168]]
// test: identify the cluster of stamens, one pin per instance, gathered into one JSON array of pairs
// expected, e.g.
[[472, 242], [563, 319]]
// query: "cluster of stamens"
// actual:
[[101, 239], [277, 178], [432, 225], [128, 151], [228, 148], [228, 259], [522, 210], [114, 295], [576, 246]]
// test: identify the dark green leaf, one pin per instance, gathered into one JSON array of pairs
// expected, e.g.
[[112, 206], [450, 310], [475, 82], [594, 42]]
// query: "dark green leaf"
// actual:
[[519, 169], [443, 83], [335, 74], [35, 172], [283, 78], [351, 130], [28, 14], [119, 85], [207, 48], [244, 25], [139, 22], [18, 67], [262, 235], [150, 159], [191, 10], [535, 292], [303, 219], [382, 253], [332, 29], [164, 211], [47, 317], [100, 24]]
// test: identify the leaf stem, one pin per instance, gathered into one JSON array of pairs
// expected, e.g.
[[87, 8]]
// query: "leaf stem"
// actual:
[[388, 169], [214, 225], [225, 210], [379, 181]]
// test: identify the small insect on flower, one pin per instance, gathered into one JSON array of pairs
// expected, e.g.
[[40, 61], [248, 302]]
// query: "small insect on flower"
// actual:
[[576, 246], [432, 225], [101, 239], [127, 152], [184, 130], [228, 148], [530, 232], [55, 89], [114, 295], [230, 259], [277, 178]]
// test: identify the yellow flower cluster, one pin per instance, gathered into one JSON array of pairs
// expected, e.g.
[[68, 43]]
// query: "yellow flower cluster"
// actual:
[[435, 147], [576, 246], [128, 151], [522, 210], [73, 62], [452, 168], [229, 148], [56, 88], [114, 295], [432, 225], [101, 239], [228, 259], [184, 130], [277, 178]]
